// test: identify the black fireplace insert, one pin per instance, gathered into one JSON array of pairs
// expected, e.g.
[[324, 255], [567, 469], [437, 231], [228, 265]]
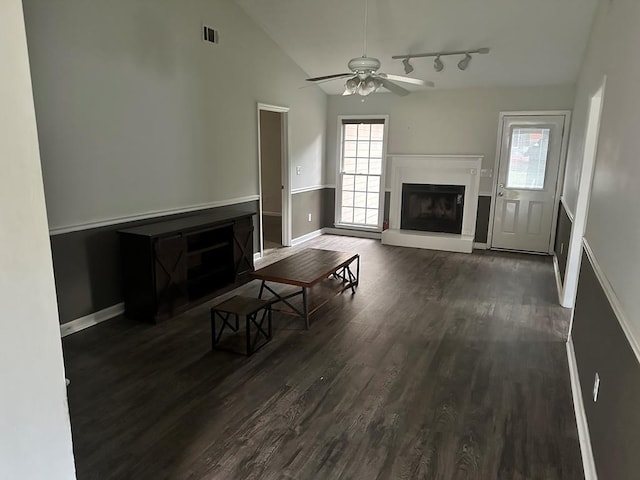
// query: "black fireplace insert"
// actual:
[[432, 208]]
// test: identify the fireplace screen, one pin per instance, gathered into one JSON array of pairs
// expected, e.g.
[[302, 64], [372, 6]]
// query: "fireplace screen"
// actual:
[[432, 208]]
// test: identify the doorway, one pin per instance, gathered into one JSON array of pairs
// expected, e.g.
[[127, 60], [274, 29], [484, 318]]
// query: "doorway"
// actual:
[[574, 253], [275, 228], [529, 163]]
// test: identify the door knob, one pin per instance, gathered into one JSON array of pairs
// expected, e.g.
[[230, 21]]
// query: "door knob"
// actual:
[[501, 185], [501, 194]]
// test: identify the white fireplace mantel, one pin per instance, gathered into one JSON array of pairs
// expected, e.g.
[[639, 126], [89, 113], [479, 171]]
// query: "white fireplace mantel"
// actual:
[[436, 170]]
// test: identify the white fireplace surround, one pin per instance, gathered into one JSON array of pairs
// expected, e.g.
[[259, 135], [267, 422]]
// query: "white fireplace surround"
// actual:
[[436, 170]]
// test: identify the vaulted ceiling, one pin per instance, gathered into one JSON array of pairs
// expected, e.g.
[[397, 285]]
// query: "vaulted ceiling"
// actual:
[[533, 42]]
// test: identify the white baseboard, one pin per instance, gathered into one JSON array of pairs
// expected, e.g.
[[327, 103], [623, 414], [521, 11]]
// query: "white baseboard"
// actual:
[[556, 271], [480, 246], [307, 237], [588, 462], [90, 320], [353, 233]]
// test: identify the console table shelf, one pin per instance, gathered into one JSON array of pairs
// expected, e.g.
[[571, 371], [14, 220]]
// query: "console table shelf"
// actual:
[[173, 265]]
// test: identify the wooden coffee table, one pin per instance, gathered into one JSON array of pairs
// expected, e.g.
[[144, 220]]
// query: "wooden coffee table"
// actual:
[[326, 272]]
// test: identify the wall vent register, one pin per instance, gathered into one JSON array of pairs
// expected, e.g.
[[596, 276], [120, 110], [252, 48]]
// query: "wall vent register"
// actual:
[[210, 35]]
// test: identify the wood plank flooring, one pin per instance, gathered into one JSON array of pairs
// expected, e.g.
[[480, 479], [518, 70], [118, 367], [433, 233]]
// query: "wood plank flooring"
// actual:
[[441, 366]]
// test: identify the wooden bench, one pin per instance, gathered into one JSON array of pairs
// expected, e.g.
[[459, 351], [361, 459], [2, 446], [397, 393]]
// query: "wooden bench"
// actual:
[[255, 311]]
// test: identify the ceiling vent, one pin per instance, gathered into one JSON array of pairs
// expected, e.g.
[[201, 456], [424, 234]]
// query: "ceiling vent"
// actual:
[[210, 35]]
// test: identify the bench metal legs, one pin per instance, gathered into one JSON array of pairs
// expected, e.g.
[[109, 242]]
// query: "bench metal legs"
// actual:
[[254, 321]]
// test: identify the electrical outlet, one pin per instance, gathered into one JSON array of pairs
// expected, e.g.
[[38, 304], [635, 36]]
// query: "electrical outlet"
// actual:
[[298, 170], [309, 219], [596, 387]]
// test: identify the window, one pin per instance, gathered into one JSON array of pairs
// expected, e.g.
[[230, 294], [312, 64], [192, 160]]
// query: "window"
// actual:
[[528, 158], [360, 190]]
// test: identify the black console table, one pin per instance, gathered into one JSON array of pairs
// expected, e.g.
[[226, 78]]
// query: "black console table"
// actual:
[[172, 265]]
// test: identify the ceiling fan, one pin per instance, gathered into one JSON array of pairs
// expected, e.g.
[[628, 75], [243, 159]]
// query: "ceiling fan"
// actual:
[[364, 78]]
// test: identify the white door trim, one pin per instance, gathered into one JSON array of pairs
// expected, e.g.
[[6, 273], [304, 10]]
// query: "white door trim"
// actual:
[[579, 220], [563, 160], [286, 174]]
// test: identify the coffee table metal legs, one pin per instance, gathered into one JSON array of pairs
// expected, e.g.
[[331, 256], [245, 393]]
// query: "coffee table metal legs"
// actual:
[[344, 274], [305, 306]]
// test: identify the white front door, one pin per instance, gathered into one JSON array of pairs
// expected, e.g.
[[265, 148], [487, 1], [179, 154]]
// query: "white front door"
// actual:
[[529, 165]]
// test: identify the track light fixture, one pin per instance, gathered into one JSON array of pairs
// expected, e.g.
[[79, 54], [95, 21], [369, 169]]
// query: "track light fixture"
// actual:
[[464, 63], [438, 65], [408, 68]]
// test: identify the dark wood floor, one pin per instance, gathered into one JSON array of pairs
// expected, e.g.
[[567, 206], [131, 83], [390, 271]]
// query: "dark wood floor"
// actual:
[[442, 366]]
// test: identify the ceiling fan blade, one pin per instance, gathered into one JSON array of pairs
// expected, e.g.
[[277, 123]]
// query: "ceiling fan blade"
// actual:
[[335, 76], [409, 80], [393, 88]]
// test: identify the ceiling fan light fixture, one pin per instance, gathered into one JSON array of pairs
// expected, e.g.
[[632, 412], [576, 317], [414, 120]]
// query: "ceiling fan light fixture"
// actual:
[[351, 86], [438, 66], [464, 63], [408, 68]]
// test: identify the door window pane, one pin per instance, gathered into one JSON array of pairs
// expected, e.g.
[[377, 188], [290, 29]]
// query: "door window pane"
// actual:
[[528, 158]]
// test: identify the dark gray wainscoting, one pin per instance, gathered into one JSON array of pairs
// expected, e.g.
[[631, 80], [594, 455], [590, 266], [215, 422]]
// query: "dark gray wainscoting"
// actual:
[[482, 224], [482, 221], [303, 204], [601, 346], [87, 265], [563, 236]]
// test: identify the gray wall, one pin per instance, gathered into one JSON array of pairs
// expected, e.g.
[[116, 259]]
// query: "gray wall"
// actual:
[[137, 114], [613, 234], [459, 121], [35, 435], [601, 346], [613, 226], [88, 269], [303, 204]]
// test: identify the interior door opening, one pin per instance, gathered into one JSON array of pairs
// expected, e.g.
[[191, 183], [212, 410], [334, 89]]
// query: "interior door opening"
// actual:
[[271, 167], [272, 125], [574, 254]]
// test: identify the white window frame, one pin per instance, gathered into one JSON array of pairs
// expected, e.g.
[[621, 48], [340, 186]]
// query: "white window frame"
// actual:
[[339, 158]]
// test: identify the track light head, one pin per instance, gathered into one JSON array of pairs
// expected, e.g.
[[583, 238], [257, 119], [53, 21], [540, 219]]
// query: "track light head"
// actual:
[[438, 66], [464, 63], [408, 68]]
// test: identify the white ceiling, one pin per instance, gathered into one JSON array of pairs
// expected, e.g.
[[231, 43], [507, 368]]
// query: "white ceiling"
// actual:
[[533, 42]]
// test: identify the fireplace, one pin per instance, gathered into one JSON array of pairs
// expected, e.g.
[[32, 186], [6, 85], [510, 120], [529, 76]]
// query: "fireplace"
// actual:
[[448, 179], [432, 208]]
